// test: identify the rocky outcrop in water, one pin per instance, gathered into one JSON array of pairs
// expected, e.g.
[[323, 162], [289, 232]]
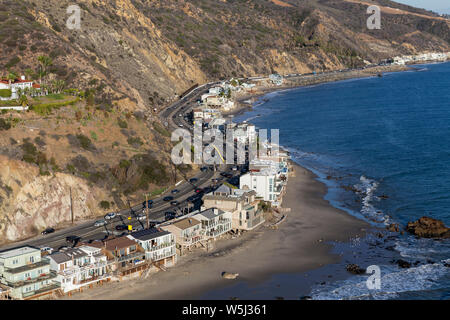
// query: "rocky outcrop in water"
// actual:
[[355, 269], [427, 227]]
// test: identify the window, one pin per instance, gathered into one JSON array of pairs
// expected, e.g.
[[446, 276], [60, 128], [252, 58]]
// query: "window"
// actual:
[[132, 248]]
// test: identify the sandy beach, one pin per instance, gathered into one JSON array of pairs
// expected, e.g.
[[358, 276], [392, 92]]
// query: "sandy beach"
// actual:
[[299, 244]]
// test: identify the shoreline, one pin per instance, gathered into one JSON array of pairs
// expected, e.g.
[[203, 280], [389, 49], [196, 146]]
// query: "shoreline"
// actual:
[[300, 244], [305, 81]]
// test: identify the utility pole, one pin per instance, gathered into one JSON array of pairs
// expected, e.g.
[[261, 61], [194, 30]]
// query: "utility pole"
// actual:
[[71, 205], [146, 211]]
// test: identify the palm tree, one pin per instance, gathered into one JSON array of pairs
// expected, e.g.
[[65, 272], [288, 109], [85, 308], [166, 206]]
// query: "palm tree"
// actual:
[[12, 76], [44, 63], [23, 100], [28, 73]]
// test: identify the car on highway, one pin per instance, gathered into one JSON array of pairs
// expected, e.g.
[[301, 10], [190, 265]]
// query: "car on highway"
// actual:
[[149, 203], [110, 215], [100, 223], [47, 231], [174, 191], [174, 202], [180, 125], [73, 239], [235, 168], [168, 198], [169, 215], [142, 217], [193, 180], [191, 198], [121, 227], [203, 169]]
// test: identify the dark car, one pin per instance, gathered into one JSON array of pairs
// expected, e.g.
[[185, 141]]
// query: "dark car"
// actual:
[[169, 215], [149, 203], [193, 180], [191, 198], [47, 231], [174, 191], [73, 239], [168, 198], [203, 169], [174, 202], [121, 227]]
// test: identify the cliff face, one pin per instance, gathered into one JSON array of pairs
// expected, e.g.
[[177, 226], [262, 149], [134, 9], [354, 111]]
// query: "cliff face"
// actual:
[[142, 52], [30, 203]]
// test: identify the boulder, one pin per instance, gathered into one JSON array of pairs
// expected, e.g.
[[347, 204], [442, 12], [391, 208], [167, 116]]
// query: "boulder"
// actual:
[[355, 269], [427, 227], [403, 264], [228, 275], [393, 227]]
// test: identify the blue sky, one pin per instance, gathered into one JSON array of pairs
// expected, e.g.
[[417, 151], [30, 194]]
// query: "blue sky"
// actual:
[[441, 6]]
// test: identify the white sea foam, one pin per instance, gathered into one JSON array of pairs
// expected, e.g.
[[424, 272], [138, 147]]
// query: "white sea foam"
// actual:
[[393, 282]]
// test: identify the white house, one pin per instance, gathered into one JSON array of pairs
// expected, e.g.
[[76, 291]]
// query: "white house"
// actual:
[[159, 245], [79, 267], [214, 222], [262, 182], [21, 83]]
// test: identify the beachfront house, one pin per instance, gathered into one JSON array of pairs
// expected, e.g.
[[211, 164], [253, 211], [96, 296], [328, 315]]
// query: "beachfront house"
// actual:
[[262, 182], [241, 203], [159, 245], [124, 255], [79, 267], [214, 222], [26, 273], [188, 233]]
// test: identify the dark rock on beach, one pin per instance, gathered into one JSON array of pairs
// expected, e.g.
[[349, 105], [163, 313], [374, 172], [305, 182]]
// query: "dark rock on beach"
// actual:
[[427, 227], [355, 269]]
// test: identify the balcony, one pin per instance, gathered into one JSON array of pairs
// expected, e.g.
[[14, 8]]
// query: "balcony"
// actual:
[[216, 223], [130, 256], [51, 287], [28, 267], [161, 246], [157, 257], [43, 277]]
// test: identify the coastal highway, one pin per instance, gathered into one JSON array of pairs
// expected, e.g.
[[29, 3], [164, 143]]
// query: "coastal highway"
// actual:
[[87, 231]]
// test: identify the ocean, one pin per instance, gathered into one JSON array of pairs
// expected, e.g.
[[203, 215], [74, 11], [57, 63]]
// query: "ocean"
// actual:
[[388, 139]]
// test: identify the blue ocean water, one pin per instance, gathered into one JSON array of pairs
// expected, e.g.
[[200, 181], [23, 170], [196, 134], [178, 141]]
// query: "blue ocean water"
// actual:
[[381, 136]]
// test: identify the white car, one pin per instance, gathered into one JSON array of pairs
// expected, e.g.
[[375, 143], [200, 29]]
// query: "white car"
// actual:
[[180, 125], [100, 223], [110, 215], [46, 249], [141, 217]]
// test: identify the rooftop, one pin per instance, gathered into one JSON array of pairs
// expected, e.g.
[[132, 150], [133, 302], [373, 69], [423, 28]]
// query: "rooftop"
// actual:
[[211, 213], [18, 252], [111, 245], [148, 234], [59, 257], [186, 223]]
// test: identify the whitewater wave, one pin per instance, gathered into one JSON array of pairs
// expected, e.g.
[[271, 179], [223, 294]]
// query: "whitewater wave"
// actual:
[[393, 282], [366, 188]]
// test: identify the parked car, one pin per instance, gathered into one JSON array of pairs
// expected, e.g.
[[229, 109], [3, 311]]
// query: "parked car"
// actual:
[[174, 202], [121, 227], [47, 250], [100, 223], [174, 191], [193, 180], [191, 198], [234, 168], [168, 198], [110, 215], [142, 217], [73, 239], [203, 169], [47, 231]]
